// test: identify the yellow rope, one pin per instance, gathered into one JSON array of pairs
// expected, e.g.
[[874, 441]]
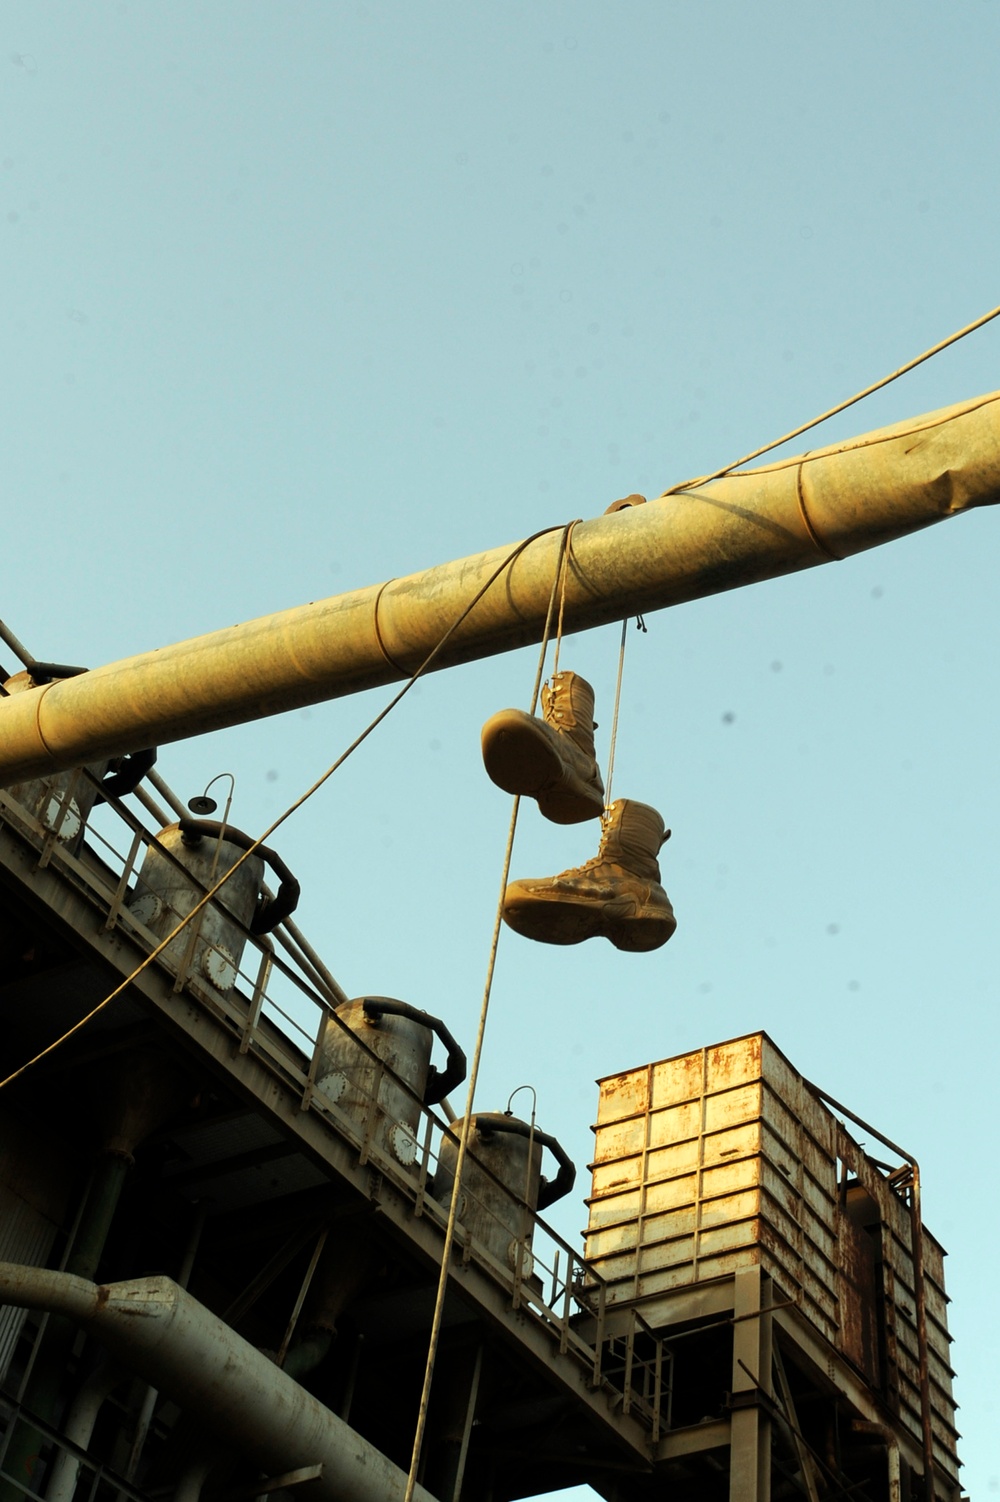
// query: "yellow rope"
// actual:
[[292, 808], [463, 1137], [614, 717], [562, 576], [935, 349]]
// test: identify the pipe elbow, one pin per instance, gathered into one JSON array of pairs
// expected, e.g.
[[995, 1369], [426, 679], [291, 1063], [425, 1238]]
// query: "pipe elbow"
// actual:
[[439, 1081]]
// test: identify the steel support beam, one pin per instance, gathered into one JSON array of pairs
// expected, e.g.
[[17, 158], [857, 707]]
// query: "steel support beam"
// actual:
[[750, 1452], [258, 1078]]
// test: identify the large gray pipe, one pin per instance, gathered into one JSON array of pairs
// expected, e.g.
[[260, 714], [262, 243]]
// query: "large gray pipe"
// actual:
[[161, 1333], [707, 538]]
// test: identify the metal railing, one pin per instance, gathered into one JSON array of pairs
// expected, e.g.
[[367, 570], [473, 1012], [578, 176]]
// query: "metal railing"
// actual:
[[280, 1017], [96, 1481]]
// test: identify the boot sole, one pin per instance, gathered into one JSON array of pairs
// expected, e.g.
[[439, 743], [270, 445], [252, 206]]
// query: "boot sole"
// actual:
[[637, 932], [520, 758], [562, 920]]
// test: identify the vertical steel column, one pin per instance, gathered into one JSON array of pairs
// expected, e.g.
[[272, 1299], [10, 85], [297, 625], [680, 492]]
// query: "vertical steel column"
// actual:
[[750, 1444], [470, 1415], [920, 1299], [806, 1460], [148, 1406]]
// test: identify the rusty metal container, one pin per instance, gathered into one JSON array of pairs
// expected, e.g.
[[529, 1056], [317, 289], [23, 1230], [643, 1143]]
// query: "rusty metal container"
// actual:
[[495, 1204], [377, 1068], [164, 894], [353, 1080], [725, 1158]]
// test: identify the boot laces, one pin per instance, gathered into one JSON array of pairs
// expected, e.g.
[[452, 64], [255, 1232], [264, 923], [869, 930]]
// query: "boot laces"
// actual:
[[591, 865], [557, 704]]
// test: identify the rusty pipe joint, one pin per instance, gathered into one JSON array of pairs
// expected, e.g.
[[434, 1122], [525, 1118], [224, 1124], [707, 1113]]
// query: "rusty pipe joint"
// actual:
[[439, 1082], [549, 1190], [885, 1434]]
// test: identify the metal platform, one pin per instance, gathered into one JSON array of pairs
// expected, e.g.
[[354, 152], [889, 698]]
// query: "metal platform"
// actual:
[[741, 1329], [262, 1164]]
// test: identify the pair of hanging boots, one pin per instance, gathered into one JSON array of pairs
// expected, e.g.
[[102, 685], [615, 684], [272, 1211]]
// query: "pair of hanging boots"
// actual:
[[617, 895]]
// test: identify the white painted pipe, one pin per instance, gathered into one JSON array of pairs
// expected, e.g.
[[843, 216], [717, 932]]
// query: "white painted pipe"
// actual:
[[161, 1333]]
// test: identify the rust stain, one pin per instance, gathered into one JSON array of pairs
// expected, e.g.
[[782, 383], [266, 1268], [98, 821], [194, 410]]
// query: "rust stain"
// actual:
[[858, 1292]]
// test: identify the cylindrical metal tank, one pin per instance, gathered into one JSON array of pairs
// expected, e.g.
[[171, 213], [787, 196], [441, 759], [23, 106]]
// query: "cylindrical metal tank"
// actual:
[[401, 1038], [164, 895], [502, 1182], [489, 1210]]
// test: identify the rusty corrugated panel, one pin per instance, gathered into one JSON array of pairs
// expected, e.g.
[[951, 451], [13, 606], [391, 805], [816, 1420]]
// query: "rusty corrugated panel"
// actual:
[[724, 1158], [889, 1225], [709, 1162], [859, 1297]]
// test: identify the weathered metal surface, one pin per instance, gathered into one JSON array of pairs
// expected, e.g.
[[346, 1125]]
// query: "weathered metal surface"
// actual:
[[723, 1159], [760, 524], [356, 1083], [164, 894], [273, 1075], [917, 1371], [495, 1207], [710, 1172], [62, 802], [161, 1333], [858, 1289]]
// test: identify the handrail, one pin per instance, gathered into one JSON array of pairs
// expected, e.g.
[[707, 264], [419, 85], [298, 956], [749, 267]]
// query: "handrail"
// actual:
[[101, 1471], [105, 879]]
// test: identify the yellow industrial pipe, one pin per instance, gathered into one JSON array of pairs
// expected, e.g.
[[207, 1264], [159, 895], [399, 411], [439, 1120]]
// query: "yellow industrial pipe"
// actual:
[[698, 541]]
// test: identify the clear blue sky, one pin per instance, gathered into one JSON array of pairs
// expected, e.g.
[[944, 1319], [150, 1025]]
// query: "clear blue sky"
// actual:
[[300, 297]]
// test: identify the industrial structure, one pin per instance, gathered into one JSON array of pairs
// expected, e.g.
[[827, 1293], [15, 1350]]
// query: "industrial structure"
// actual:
[[223, 1198]]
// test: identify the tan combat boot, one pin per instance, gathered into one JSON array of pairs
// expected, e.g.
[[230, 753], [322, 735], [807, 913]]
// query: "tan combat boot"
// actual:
[[551, 759], [617, 895]]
